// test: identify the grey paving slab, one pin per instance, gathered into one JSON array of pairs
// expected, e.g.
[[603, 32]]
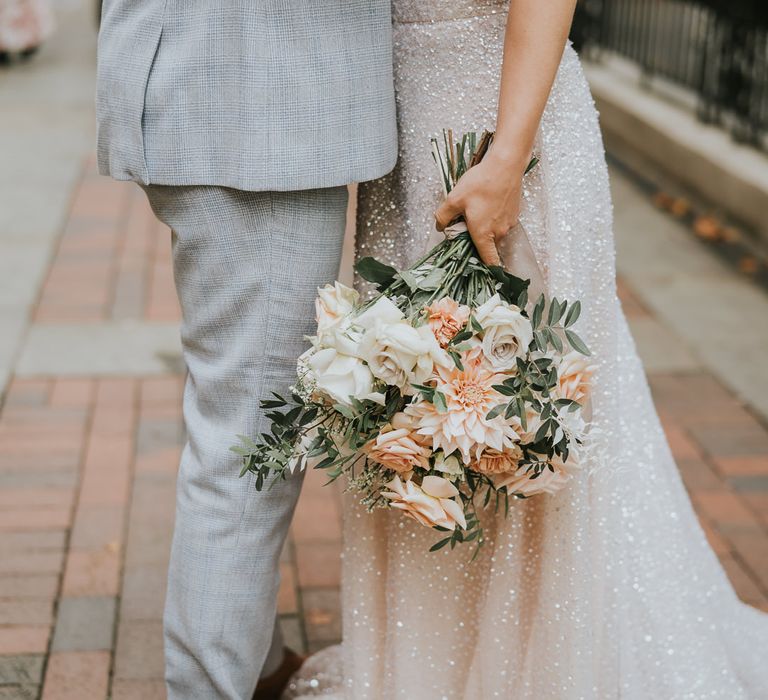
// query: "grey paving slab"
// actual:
[[660, 349], [46, 131], [749, 483], [119, 348], [21, 669], [24, 691], [32, 541], [292, 635], [139, 652], [322, 616], [143, 596], [716, 313], [84, 624]]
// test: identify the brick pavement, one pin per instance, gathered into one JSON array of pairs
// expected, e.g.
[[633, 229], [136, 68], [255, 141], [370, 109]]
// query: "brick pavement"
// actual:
[[87, 469]]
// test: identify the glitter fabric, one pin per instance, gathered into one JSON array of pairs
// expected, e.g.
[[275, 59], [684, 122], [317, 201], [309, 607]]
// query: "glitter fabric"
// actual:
[[607, 589]]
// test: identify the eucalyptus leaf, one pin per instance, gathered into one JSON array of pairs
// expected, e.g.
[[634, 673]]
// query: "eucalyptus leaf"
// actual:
[[521, 412], [456, 360], [554, 339], [438, 400], [440, 544], [511, 287], [576, 342], [542, 431], [504, 390], [345, 411], [573, 314], [538, 310], [554, 307], [461, 337], [426, 391], [374, 271], [433, 279], [248, 442], [410, 279], [495, 411]]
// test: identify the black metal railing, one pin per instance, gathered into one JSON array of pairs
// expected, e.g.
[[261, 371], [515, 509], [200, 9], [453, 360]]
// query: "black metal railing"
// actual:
[[716, 48]]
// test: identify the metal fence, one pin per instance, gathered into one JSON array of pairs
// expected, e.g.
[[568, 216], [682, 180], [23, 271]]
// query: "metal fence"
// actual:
[[716, 48]]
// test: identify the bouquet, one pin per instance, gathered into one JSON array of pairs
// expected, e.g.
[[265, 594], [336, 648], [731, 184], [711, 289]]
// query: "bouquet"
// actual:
[[445, 393]]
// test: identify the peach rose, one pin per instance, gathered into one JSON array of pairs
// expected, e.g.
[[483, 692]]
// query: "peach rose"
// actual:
[[493, 462], [574, 376], [446, 318], [532, 424], [399, 447], [549, 481], [431, 504]]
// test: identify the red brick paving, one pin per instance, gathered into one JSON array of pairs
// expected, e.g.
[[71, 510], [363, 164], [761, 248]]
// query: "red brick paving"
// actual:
[[87, 478]]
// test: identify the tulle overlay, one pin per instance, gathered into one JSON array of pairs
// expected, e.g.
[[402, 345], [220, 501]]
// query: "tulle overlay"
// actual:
[[607, 589]]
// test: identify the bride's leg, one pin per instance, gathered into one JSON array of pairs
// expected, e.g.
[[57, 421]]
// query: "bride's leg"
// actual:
[[246, 267]]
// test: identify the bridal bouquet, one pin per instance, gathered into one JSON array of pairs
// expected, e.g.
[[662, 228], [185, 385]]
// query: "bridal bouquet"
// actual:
[[445, 392]]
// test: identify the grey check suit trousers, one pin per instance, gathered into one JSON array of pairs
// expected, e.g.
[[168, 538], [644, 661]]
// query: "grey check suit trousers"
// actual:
[[246, 266]]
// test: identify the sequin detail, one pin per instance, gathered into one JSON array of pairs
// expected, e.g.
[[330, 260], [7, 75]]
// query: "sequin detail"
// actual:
[[608, 589]]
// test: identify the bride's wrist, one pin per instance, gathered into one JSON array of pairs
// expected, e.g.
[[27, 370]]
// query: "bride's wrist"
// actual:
[[511, 158]]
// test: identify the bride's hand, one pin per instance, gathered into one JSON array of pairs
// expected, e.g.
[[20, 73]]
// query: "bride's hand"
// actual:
[[488, 197]]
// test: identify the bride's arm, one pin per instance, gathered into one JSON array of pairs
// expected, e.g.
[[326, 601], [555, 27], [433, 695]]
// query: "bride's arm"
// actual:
[[489, 194]]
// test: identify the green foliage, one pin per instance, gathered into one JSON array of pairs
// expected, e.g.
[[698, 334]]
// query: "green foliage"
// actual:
[[332, 437], [509, 287], [374, 271]]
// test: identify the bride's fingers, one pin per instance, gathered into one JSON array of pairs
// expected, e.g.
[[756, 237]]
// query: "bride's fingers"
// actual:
[[501, 235], [446, 213], [486, 247]]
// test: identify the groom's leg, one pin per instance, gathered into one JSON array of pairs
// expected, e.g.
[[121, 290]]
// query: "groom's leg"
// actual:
[[246, 267]]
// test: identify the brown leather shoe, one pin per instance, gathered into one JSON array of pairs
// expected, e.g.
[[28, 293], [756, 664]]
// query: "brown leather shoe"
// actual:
[[272, 687]]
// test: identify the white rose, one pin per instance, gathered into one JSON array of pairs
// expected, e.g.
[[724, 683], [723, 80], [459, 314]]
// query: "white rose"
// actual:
[[506, 332], [344, 339], [399, 354], [341, 377], [383, 310], [432, 356], [333, 306]]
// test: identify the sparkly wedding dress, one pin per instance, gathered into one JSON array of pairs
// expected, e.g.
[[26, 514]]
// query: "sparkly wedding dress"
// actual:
[[605, 590]]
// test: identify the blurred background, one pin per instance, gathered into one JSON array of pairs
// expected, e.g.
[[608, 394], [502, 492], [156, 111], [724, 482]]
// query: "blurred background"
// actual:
[[91, 375]]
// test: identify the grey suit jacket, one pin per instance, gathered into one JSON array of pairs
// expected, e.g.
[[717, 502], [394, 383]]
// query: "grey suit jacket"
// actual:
[[250, 94]]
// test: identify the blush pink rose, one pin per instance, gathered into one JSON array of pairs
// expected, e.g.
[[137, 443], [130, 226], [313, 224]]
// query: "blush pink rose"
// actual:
[[574, 377], [493, 462], [549, 481], [399, 447], [446, 318]]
